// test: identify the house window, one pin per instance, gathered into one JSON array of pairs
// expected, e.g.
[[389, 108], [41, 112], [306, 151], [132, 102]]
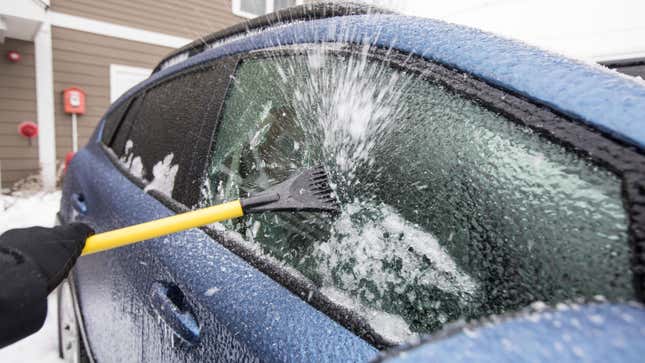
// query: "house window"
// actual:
[[253, 8]]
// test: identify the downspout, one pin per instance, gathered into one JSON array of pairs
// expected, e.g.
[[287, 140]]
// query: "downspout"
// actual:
[[45, 106]]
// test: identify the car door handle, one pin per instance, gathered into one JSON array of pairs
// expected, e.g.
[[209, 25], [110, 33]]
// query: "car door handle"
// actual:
[[79, 203], [170, 304]]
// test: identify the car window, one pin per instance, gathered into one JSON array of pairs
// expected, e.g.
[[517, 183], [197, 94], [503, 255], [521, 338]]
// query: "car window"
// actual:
[[163, 138], [113, 121], [121, 134], [449, 210]]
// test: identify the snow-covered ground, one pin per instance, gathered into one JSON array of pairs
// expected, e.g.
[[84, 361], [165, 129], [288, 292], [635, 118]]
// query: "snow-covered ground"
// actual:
[[26, 209]]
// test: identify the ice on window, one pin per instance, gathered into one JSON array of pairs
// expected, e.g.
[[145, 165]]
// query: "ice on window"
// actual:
[[450, 211], [163, 172]]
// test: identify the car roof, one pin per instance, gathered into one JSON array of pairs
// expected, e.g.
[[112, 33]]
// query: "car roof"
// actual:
[[611, 103], [304, 12]]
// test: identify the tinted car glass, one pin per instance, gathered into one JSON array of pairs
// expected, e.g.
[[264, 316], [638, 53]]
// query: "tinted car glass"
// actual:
[[113, 121], [167, 131], [450, 211], [121, 133]]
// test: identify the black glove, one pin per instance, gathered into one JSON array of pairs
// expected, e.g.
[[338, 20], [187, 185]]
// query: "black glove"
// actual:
[[33, 261], [53, 250]]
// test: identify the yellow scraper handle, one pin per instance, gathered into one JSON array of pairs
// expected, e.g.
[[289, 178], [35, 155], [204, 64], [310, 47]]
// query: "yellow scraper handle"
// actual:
[[161, 227]]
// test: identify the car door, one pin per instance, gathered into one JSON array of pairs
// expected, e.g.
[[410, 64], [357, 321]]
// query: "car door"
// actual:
[[129, 300], [460, 200], [185, 296]]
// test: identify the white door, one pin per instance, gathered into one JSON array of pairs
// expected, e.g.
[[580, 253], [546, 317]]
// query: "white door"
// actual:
[[122, 78]]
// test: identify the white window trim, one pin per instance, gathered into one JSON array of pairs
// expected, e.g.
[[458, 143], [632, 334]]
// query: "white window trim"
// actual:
[[269, 4], [117, 69], [115, 30]]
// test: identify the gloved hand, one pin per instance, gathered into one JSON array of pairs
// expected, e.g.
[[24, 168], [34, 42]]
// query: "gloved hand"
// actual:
[[33, 261], [53, 250]]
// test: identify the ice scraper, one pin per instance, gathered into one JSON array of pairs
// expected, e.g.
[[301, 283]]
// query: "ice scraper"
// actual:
[[308, 191]]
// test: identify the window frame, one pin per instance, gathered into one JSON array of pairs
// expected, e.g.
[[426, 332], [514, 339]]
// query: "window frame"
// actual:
[[269, 7], [624, 160]]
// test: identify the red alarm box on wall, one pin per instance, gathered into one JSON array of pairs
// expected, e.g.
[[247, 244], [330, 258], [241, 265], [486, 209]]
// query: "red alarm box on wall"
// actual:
[[74, 100]]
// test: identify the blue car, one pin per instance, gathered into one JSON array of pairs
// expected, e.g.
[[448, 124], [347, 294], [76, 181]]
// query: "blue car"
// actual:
[[493, 200]]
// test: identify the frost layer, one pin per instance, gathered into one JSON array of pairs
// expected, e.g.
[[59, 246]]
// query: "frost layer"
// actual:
[[163, 172], [450, 211]]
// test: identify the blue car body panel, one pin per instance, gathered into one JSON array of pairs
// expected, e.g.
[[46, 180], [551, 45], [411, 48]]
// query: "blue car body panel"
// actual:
[[250, 316], [244, 315], [588, 333]]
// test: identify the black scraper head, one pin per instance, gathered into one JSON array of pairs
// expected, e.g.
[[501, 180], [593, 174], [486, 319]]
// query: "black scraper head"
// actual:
[[308, 191]]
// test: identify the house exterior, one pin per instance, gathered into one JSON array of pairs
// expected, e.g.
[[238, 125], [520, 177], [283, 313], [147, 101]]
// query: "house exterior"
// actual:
[[100, 46]]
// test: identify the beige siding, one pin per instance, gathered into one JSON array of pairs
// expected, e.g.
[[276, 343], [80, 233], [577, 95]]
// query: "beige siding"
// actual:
[[17, 104], [186, 18], [83, 60]]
